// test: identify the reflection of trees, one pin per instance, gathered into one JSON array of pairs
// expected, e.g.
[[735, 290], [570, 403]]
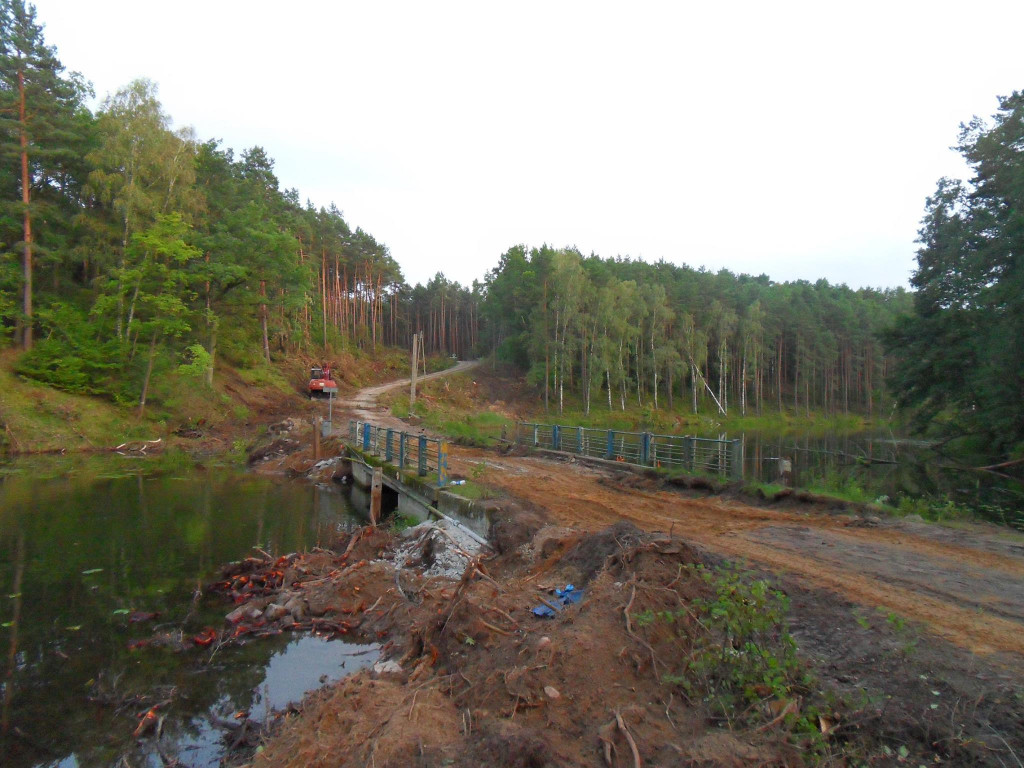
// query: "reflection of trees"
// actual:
[[917, 470], [154, 540], [12, 652]]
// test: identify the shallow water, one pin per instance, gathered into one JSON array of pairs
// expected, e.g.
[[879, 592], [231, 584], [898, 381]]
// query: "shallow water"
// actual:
[[879, 466], [85, 548]]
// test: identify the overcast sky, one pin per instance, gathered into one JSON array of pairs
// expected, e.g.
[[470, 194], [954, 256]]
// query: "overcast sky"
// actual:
[[795, 139]]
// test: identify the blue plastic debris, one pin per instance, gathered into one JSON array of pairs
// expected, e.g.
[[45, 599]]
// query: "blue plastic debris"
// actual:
[[567, 596]]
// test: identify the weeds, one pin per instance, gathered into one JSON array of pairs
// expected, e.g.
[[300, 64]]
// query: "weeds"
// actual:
[[744, 654], [173, 460], [400, 522]]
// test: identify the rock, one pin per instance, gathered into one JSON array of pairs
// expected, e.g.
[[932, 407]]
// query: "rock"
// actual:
[[544, 642], [551, 692], [274, 612], [297, 608], [241, 612], [237, 615], [388, 667]]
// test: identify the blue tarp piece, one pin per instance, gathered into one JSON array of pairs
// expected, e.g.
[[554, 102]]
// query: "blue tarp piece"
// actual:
[[567, 596]]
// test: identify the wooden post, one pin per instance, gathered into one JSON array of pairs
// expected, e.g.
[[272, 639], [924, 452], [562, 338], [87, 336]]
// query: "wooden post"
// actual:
[[316, 438], [412, 385], [375, 489]]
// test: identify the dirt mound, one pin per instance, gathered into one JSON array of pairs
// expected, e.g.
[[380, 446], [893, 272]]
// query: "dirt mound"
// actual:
[[591, 553], [365, 721], [513, 525], [501, 686]]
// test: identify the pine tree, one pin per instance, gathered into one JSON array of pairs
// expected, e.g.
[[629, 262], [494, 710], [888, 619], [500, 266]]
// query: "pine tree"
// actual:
[[37, 124]]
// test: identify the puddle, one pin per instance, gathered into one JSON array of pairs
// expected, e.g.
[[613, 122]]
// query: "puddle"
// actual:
[[305, 664]]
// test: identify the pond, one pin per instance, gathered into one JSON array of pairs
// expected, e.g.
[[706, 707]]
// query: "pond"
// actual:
[[879, 466], [87, 548]]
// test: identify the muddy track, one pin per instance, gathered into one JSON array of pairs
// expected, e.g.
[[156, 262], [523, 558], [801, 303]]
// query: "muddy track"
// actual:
[[965, 585], [363, 403]]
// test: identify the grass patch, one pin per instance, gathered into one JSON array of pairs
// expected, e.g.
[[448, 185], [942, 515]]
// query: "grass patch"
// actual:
[[481, 429], [265, 377], [34, 417], [471, 490], [762, 490], [400, 522], [681, 421]]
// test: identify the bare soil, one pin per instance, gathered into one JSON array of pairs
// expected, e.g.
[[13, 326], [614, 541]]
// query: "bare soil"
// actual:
[[912, 635]]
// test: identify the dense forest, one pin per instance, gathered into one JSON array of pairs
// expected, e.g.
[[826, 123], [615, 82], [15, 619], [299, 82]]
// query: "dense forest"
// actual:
[[960, 351], [131, 249], [620, 332]]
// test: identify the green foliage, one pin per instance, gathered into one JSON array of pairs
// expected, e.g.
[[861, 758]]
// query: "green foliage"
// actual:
[[749, 648], [743, 653], [399, 523], [957, 371], [931, 509], [618, 335], [841, 485], [480, 429], [199, 362], [173, 460], [239, 452], [71, 358], [471, 490]]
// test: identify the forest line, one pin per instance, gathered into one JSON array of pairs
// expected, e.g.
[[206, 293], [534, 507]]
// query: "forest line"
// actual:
[[135, 253]]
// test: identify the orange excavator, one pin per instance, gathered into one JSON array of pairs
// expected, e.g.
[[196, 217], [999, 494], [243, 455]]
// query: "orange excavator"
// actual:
[[320, 382]]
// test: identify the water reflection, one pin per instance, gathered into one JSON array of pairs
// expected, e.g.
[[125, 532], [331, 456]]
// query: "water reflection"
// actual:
[[82, 554], [879, 466]]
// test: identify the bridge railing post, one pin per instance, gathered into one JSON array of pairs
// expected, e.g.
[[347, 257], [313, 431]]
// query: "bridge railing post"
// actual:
[[556, 438], [736, 459], [402, 448], [422, 457], [442, 463], [388, 449], [610, 449], [366, 438], [645, 448]]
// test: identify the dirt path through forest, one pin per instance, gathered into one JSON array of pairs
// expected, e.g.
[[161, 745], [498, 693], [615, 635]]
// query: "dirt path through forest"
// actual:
[[362, 404]]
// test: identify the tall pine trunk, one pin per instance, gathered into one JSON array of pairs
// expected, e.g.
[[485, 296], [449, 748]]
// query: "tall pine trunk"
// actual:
[[26, 338], [263, 321], [149, 373]]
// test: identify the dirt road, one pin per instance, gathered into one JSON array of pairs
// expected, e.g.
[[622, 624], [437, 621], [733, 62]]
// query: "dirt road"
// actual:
[[964, 584], [363, 403]]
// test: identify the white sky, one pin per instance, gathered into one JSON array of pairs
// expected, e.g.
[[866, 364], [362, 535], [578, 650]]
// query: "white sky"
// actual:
[[795, 139]]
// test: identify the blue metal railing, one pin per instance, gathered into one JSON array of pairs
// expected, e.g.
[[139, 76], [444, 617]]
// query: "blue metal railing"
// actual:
[[405, 450], [695, 454]]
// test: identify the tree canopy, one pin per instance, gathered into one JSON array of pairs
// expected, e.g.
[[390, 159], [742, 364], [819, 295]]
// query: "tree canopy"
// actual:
[[960, 369]]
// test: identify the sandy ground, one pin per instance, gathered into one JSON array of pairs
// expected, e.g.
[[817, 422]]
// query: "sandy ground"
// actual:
[[363, 403], [911, 632], [965, 585]]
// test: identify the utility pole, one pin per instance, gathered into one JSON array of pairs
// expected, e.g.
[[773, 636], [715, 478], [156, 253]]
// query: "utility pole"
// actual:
[[412, 385]]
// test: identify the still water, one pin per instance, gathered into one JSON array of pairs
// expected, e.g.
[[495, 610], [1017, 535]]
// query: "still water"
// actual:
[[86, 546], [880, 466]]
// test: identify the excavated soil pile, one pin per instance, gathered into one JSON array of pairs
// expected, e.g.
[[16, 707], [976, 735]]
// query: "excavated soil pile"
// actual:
[[642, 669], [481, 680]]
